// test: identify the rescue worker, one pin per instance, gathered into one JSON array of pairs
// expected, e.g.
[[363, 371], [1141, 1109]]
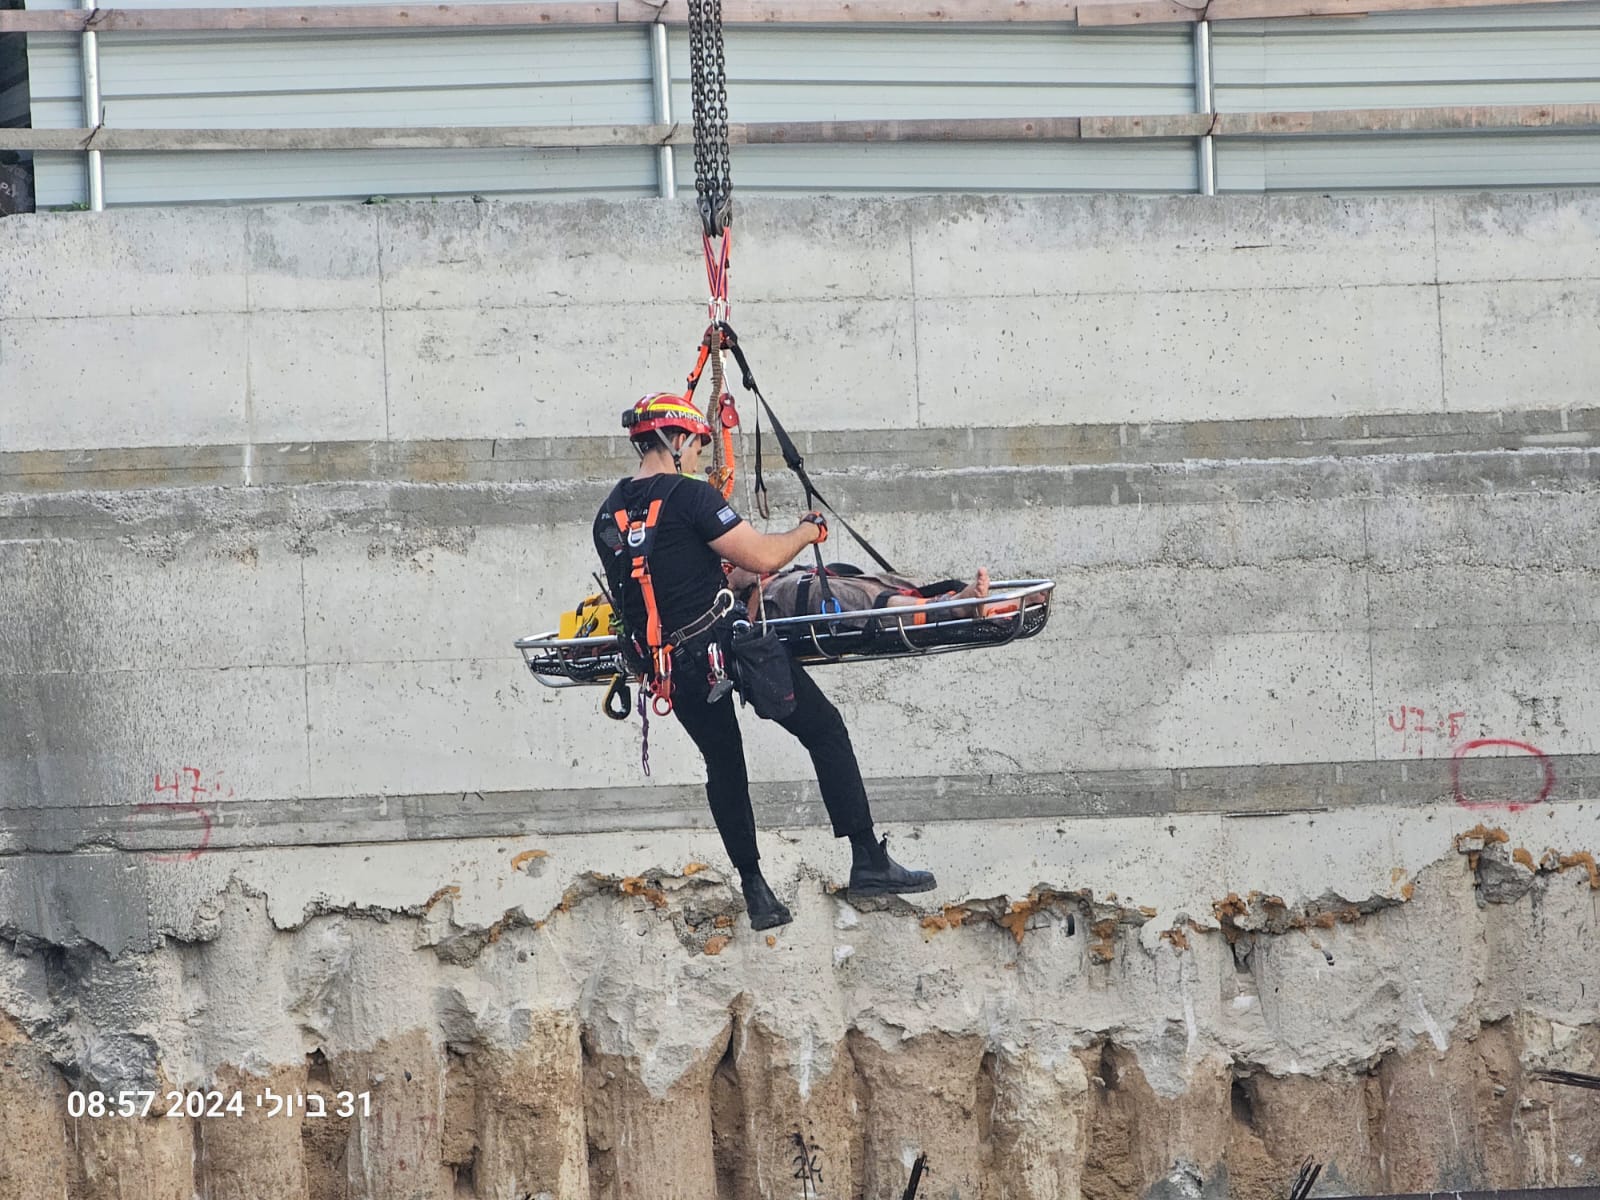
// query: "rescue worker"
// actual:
[[691, 530]]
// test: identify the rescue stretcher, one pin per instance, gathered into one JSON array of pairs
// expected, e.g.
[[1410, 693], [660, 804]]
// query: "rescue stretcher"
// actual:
[[1014, 609]]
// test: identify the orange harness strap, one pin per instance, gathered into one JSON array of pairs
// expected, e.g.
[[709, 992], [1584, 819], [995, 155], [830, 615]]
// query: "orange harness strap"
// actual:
[[636, 534]]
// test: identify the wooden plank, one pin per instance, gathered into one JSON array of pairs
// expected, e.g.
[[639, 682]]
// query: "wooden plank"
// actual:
[[1453, 119], [1122, 129], [1260, 10], [859, 12], [479, 137], [1156, 12], [976, 129], [486, 16], [1345, 122], [1088, 13], [981, 129], [1146, 12], [375, 16]]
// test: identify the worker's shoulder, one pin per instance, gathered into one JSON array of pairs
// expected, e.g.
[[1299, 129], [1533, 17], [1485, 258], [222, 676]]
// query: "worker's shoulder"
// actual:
[[699, 492], [618, 497], [680, 493], [707, 501]]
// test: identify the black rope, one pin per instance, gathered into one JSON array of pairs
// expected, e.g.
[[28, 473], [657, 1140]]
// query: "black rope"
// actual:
[[791, 455]]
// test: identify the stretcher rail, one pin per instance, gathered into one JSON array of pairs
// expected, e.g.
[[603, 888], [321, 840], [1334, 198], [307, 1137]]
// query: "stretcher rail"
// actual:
[[1014, 609]]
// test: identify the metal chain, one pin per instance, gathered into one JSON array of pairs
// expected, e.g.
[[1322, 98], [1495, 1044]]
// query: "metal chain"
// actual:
[[708, 94], [723, 205], [697, 99]]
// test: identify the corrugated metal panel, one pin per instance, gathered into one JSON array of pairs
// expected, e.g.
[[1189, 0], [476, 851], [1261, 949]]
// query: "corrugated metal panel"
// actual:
[[1369, 164], [823, 75], [808, 75], [399, 174], [533, 77], [1412, 59], [915, 167], [1526, 56], [602, 76], [55, 79], [521, 78]]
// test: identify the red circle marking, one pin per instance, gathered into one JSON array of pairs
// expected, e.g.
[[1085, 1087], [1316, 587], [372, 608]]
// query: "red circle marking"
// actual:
[[1466, 748], [205, 833]]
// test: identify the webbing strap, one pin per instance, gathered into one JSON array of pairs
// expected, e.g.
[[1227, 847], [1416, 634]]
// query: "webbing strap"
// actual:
[[660, 653], [717, 259], [791, 456]]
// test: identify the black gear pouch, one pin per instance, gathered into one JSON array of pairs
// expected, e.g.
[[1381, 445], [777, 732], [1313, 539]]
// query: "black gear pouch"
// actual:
[[761, 665]]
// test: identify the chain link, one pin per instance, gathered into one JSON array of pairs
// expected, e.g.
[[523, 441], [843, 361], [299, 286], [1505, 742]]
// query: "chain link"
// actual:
[[708, 93]]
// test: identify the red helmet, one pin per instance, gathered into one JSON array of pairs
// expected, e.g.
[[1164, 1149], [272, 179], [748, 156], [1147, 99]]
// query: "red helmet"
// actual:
[[665, 410]]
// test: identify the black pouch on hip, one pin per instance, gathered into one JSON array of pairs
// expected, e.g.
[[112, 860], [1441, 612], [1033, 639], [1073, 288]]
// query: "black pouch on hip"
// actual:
[[761, 663]]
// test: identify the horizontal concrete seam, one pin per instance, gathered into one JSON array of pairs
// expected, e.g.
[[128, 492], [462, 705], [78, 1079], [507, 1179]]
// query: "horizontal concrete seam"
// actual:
[[775, 815], [380, 506], [492, 306], [1174, 288], [168, 314], [1160, 469]]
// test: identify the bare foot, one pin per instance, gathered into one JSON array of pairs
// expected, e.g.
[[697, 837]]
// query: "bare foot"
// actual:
[[1004, 607], [976, 590]]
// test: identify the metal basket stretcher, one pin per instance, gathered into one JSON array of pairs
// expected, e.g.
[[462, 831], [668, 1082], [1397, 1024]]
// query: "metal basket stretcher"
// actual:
[[937, 627]]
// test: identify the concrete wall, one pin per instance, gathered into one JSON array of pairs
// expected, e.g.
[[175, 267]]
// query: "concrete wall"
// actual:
[[1288, 815], [416, 323]]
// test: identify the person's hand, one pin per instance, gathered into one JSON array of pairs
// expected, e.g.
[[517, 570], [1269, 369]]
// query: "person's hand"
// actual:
[[817, 519]]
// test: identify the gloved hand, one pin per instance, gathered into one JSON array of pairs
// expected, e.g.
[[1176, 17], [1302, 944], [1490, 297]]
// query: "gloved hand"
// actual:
[[817, 519]]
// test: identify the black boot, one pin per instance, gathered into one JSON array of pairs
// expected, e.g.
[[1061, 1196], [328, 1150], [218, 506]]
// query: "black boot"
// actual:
[[874, 873], [766, 910]]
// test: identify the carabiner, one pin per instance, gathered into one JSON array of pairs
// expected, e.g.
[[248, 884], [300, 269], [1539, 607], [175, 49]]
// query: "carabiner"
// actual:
[[661, 705]]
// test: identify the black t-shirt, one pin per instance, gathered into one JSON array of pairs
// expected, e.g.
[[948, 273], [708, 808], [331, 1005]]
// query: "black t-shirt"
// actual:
[[686, 571]]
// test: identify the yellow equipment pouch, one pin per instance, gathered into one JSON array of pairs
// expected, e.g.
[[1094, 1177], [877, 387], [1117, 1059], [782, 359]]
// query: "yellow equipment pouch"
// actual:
[[592, 618]]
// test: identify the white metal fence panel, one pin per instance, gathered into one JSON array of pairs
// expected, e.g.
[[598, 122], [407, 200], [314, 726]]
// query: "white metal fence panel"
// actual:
[[603, 76]]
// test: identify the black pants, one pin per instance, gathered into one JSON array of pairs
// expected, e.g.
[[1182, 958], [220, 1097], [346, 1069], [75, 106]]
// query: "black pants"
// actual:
[[714, 729]]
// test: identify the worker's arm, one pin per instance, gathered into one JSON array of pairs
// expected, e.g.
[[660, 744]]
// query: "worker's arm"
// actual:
[[766, 552]]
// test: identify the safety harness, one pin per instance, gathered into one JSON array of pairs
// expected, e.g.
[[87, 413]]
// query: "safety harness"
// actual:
[[638, 535]]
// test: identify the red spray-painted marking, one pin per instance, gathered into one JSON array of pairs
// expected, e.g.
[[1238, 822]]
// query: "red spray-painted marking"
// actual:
[[1408, 720], [205, 831], [187, 779], [1467, 748]]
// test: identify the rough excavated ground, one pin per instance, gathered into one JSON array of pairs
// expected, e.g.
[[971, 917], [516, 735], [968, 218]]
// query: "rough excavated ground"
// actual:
[[608, 1037]]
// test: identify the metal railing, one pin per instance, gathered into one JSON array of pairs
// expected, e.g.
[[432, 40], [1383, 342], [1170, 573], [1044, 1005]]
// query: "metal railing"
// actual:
[[1204, 126]]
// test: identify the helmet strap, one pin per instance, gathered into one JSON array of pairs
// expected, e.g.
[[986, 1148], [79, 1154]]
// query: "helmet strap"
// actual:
[[677, 457]]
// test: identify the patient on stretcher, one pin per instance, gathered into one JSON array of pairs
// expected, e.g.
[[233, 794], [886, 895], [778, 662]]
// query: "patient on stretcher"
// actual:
[[797, 591]]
